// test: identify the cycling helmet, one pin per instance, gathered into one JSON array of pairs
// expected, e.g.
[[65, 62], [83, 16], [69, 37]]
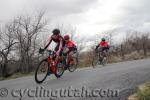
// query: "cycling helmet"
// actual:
[[103, 39], [56, 31], [66, 37]]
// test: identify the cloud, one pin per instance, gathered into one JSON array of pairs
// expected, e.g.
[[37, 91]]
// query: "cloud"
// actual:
[[8, 8], [88, 16], [133, 14], [54, 9], [61, 7]]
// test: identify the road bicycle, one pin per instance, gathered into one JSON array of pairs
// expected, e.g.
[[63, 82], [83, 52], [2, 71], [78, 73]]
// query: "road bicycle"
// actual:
[[71, 63], [49, 65], [99, 58]]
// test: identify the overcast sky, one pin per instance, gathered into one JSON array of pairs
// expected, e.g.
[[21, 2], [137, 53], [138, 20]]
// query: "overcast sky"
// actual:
[[88, 16]]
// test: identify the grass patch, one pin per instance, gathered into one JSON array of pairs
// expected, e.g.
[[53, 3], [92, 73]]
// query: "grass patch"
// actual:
[[143, 92], [1, 78], [17, 75]]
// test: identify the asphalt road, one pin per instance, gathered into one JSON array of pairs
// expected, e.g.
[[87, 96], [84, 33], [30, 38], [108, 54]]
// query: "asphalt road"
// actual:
[[84, 84]]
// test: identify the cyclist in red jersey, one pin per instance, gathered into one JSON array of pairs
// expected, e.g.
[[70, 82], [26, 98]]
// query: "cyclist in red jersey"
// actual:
[[70, 47], [103, 45], [58, 39]]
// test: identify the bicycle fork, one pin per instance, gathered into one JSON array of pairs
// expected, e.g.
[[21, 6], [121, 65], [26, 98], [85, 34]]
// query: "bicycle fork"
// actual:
[[52, 65]]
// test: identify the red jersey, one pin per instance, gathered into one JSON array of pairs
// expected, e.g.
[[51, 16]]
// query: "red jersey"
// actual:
[[104, 44], [57, 40], [70, 44]]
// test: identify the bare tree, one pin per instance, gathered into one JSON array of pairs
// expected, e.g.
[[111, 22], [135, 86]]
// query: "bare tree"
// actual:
[[145, 42], [8, 41], [139, 41], [26, 29]]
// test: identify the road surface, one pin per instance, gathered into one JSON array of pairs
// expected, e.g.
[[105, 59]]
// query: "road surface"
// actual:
[[119, 78]]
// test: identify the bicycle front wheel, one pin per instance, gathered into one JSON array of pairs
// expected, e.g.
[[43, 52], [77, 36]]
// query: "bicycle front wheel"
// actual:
[[95, 61], [42, 71], [104, 61]]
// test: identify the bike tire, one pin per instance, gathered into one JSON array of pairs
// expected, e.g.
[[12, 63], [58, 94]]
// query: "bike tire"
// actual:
[[104, 61], [72, 68], [60, 67], [36, 72], [95, 61]]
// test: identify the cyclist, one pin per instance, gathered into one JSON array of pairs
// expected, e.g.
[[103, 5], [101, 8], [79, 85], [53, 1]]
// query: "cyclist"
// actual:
[[70, 47], [58, 39], [104, 46]]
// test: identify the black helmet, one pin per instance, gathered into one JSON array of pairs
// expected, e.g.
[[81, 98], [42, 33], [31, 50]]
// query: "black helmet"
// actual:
[[56, 31], [103, 39]]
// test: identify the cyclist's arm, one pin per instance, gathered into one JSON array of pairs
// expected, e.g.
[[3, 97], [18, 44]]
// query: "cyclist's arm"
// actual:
[[97, 46], [48, 43]]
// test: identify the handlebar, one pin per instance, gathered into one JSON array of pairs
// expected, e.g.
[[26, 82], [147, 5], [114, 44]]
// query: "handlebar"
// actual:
[[51, 52]]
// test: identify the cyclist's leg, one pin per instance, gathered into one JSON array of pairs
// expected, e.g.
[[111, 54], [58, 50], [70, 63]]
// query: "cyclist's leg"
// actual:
[[57, 57], [68, 55], [106, 51], [72, 52], [101, 52], [71, 56]]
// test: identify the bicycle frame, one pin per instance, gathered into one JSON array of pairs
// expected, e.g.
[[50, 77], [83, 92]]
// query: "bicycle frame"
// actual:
[[52, 63], [101, 53], [54, 66]]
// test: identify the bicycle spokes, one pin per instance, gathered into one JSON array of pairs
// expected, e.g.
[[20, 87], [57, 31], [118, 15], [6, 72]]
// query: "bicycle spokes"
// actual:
[[41, 71], [73, 64], [44, 68]]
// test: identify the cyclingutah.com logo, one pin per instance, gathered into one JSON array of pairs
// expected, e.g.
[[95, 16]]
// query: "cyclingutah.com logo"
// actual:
[[69, 92], [3, 92]]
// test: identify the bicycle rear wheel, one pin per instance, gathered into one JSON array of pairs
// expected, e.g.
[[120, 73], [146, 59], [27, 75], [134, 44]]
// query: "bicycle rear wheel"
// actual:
[[42, 71], [73, 64]]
